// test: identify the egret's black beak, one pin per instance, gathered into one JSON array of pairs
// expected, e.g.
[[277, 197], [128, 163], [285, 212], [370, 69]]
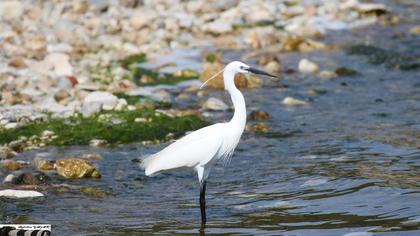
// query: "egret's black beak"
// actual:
[[260, 72]]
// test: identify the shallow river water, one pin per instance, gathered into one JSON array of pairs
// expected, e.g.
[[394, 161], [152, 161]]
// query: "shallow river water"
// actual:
[[348, 162]]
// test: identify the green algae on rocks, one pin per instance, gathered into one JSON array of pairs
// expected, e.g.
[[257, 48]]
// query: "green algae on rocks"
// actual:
[[391, 59], [79, 130], [145, 76]]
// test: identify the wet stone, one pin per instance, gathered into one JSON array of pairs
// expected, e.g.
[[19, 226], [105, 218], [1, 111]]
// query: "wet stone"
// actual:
[[43, 164], [11, 165], [259, 115], [258, 128], [31, 179], [73, 168]]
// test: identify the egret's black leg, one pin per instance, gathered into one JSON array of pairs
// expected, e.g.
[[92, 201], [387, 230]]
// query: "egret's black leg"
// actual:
[[203, 203]]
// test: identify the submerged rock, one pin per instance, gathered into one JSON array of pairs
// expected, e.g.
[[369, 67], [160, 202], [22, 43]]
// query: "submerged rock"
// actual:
[[215, 104], [95, 192], [11, 165], [292, 101], [259, 115], [307, 67], [11, 193], [415, 30], [327, 74], [73, 168], [30, 179], [258, 128], [43, 164]]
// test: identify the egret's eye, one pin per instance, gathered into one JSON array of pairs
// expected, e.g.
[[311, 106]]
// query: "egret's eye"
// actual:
[[242, 67]]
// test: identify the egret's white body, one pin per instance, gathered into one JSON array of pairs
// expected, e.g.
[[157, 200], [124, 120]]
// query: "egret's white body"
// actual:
[[202, 148]]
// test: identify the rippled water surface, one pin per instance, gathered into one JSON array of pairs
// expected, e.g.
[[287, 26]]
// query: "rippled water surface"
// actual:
[[346, 162]]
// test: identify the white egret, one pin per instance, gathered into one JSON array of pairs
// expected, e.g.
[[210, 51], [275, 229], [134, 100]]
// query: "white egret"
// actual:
[[202, 148]]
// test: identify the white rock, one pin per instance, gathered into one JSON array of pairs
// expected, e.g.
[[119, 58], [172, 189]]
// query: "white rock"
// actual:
[[48, 133], [141, 18], [98, 142], [103, 100], [11, 125], [307, 67], [215, 104], [220, 26], [122, 103], [9, 178], [60, 63], [140, 119], [91, 108], [361, 233], [11, 193], [273, 67], [327, 74], [292, 101], [10, 10], [60, 47]]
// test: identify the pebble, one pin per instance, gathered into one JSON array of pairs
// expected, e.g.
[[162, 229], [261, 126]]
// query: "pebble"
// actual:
[[307, 67], [98, 143], [415, 30], [293, 101], [43, 164], [11, 193], [9, 178], [273, 67], [259, 115], [258, 128], [10, 10], [11, 165], [215, 104], [327, 74], [30, 179], [11, 125], [96, 101]]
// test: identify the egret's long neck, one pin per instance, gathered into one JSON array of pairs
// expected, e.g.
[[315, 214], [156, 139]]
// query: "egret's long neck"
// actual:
[[239, 117]]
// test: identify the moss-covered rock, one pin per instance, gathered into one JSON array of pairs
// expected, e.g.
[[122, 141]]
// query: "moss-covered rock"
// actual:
[[79, 130], [95, 192]]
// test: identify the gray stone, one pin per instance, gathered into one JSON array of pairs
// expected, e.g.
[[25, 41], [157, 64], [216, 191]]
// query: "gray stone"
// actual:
[[215, 104]]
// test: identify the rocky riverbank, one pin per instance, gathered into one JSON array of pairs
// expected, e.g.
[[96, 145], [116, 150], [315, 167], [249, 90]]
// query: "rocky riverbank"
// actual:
[[91, 72]]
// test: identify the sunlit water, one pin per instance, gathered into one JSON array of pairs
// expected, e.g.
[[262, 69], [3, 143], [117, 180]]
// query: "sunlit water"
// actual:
[[345, 163]]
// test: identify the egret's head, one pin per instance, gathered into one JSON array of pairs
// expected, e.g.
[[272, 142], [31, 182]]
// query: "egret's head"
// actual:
[[240, 67], [236, 67]]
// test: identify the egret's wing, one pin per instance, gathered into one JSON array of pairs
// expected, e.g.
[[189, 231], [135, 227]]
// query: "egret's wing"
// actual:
[[198, 147]]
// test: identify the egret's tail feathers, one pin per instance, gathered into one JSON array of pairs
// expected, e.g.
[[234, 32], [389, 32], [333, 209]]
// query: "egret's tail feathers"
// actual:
[[147, 165]]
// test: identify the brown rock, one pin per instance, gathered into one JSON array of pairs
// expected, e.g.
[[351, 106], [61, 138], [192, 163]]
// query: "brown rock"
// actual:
[[80, 6], [7, 153], [73, 168], [43, 164], [11, 165], [258, 128], [61, 95], [10, 98], [18, 62], [259, 115]]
